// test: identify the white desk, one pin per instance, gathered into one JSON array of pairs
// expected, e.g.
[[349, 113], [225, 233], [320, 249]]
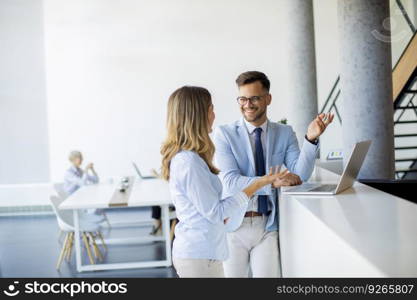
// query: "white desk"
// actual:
[[361, 232], [145, 193]]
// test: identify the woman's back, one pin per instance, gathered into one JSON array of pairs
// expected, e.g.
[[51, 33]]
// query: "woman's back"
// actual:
[[196, 194]]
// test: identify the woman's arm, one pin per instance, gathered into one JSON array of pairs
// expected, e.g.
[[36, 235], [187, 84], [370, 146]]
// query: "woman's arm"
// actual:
[[264, 180], [91, 178], [94, 177], [192, 174]]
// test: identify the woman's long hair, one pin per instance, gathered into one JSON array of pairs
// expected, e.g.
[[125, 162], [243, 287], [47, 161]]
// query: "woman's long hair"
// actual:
[[187, 127]]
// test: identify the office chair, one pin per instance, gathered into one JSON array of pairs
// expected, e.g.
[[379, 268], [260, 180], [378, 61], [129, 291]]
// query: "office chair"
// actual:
[[90, 230], [59, 188]]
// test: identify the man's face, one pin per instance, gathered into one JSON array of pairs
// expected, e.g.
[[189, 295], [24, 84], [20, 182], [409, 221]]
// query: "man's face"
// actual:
[[254, 112]]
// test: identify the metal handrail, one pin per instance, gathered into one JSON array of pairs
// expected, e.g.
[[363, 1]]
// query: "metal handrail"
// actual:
[[330, 94]]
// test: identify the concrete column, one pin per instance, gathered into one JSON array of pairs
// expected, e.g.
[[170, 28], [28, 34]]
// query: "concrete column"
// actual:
[[301, 57], [366, 83]]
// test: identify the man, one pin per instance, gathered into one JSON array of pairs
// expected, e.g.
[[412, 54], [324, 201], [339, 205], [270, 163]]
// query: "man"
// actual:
[[244, 150]]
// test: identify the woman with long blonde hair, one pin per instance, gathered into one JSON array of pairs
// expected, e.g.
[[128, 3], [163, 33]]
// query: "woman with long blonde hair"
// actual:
[[187, 153]]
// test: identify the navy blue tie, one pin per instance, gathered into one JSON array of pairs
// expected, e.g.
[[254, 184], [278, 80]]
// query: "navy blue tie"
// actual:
[[260, 170]]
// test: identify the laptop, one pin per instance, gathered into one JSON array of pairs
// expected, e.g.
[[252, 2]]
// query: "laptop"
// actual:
[[140, 174], [347, 179]]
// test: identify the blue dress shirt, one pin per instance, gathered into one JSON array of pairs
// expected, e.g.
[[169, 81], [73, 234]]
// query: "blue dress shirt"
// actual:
[[196, 194]]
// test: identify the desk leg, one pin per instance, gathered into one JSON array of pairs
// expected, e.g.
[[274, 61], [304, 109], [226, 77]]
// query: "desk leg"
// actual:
[[77, 240], [166, 231]]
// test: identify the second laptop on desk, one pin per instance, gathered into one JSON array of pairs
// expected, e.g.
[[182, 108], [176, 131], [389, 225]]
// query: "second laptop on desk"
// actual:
[[140, 174], [350, 172]]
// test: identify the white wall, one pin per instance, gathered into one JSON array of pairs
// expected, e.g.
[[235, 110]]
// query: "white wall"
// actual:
[[111, 66], [23, 125]]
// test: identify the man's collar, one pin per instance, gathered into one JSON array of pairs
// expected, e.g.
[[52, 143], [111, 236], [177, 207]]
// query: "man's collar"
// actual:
[[251, 128]]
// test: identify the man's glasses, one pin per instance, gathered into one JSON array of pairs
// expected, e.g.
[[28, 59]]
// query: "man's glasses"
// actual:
[[253, 100]]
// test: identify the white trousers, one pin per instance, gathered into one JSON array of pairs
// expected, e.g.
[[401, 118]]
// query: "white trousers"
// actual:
[[253, 248], [206, 268]]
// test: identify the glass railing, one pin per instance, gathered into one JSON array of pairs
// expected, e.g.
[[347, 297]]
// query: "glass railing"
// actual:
[[403, 26]]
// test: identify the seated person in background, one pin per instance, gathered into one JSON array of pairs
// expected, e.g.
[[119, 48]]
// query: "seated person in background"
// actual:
[[75, 177], [156, 215], [156, 212]]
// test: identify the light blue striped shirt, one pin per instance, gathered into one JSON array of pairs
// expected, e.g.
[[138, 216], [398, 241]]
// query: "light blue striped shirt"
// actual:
[[196, 194]]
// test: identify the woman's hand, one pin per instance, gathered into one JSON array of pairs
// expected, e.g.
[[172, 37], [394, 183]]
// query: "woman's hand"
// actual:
[[287, 180], [284, 178], [274, 176]]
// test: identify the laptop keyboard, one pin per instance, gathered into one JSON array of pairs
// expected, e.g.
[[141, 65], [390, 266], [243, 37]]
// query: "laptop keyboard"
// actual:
[[324, 188], [303, 187], [308, 186], [313, 187]]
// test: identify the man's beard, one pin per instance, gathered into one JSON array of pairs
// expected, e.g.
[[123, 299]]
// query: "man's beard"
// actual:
[[258, 115]]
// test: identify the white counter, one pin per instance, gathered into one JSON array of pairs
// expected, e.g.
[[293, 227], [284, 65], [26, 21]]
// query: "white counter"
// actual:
[[362, 232]]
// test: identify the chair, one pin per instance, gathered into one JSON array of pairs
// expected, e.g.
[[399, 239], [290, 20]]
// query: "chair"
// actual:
[[103, 213], [59, 188], [89, 232]]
